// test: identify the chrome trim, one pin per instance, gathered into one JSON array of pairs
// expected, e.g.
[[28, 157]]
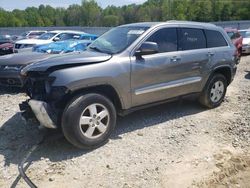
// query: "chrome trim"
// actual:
[[167, 85]]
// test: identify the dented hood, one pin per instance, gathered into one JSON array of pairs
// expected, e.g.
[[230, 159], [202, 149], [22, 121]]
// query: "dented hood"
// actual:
[[67, 60], [23, 58]]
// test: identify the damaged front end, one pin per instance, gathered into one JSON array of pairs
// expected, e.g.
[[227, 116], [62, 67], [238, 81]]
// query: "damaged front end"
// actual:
[[45, 100], [39, 110]]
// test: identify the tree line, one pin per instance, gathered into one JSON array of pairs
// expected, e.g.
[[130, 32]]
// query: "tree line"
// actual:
[[89, 13]]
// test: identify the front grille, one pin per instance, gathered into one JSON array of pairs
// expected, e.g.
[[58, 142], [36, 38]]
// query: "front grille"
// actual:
[[10, 82]]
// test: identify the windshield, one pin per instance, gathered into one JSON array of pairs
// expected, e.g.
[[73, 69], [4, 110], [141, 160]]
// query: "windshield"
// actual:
[[245, 34], [116, 40], [24, 34], [47, 36]]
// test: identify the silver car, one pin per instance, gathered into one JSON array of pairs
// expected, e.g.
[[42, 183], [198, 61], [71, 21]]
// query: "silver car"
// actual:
[[128, 68]]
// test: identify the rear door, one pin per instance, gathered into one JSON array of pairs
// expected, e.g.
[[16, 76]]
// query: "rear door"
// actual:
[[195, 57]]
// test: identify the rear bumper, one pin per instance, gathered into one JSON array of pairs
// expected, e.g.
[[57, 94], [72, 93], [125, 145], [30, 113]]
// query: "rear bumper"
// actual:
[[245, 49], [41, 110]]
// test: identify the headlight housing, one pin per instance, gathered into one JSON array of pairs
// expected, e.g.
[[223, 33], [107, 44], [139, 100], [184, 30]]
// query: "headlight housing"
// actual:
[[12, 67], [6, 48]]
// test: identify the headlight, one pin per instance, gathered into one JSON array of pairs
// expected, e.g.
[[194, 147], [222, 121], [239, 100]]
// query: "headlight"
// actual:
[[6, 48], [12, 67]]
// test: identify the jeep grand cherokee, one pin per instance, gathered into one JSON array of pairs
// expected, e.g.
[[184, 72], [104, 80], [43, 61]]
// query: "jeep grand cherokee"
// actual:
[[129, 67]]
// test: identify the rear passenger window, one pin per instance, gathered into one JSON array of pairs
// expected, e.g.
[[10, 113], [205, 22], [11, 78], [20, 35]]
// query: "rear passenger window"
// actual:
[[215, 39], [166, 39], [190, 39]]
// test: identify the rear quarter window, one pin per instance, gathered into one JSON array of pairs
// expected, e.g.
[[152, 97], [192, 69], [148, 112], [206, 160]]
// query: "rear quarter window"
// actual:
[[191, 38], [215, 39]]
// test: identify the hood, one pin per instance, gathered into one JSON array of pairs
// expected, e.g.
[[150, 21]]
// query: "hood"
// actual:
[[33, 41], [67, 60], [56, 46], [23, 58], [6, 45], [246, 41]]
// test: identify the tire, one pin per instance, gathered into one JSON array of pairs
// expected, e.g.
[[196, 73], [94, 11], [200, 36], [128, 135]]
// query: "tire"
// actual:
[[80, 123], [208, 96]]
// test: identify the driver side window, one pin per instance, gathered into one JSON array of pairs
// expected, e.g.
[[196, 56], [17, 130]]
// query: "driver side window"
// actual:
[[166, 39]]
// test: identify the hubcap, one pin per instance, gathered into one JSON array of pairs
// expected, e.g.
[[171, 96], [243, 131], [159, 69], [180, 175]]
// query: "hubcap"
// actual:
[[94, 120], [217, 91]]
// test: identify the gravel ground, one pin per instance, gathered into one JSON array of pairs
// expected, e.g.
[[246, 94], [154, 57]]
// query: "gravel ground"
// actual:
[[179, 144]]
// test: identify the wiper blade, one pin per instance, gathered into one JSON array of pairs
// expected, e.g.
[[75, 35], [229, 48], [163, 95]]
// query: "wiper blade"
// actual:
[[99, 50], [96, 48]]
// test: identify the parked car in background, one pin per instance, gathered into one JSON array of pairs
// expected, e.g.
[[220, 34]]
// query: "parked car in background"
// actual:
[[128, 68], [237, 40], [246, 41], [6, 44], [46, 38], [30, 35], [11, 65], [63, 46]]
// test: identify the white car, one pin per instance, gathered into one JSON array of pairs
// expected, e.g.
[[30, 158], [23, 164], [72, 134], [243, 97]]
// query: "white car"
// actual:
[[246, 41], [46, 38], [30, 34]]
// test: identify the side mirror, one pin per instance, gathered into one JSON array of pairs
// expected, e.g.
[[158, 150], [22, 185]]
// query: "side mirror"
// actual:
[[56, 39], [147, 48]]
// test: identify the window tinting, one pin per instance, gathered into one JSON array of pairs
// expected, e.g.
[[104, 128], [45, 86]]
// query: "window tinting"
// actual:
[[215, 39], [166, 39], [190, 39]]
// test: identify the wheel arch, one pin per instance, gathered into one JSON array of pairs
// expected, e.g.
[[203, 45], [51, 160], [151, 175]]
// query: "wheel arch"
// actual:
[[225, 71], [106, 90]]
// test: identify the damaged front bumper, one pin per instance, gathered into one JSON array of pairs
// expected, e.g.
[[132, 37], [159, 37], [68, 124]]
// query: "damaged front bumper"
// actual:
[[41, 110]]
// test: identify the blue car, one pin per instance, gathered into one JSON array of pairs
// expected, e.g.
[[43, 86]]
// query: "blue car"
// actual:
[[62, 46]]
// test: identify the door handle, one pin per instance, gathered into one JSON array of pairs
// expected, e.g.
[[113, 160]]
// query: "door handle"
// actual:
[[175, 59], [210, 54]]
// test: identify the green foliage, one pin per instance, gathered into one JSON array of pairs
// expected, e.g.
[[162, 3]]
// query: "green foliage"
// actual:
[[89, 13]]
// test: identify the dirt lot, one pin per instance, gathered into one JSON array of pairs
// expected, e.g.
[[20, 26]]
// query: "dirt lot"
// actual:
[[179, 144]]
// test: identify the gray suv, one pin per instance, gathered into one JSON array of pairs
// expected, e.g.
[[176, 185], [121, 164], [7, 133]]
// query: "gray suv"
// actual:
[[128, 68]]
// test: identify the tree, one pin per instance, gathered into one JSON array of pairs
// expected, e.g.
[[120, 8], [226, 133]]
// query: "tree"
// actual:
[[89, 13]]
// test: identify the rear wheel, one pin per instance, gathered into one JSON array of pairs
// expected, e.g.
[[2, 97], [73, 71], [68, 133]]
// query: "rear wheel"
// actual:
[[214, 91], [88, 120]]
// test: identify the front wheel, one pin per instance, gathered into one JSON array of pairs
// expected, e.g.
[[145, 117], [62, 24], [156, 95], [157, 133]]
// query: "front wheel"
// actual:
[[214, 91], [88, 120]]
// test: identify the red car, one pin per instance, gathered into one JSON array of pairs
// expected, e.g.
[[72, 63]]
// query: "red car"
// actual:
[[236, 39], [6, 44]]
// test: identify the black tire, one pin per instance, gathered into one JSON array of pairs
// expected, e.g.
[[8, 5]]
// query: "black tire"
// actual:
[[71, 121], [205, 98]]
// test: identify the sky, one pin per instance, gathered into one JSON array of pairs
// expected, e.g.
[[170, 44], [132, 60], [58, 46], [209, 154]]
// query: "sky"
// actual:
[[22, 4]]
